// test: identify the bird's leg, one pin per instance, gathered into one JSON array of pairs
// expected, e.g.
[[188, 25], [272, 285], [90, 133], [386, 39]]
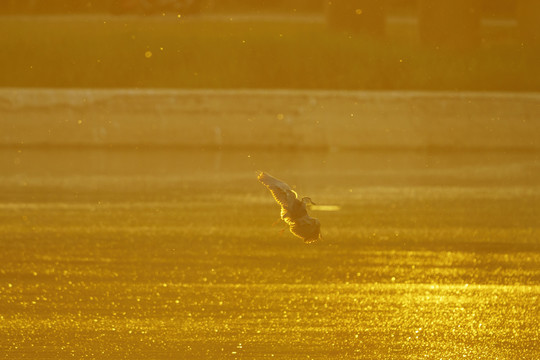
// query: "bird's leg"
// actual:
[[276, 222]]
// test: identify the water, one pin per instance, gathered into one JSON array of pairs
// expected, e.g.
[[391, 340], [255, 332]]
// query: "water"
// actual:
[[172, 254]]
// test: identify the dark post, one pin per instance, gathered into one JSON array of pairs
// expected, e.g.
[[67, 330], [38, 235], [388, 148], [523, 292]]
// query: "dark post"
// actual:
[[10, 6], [357, 16], [450, 24], [528, 16]]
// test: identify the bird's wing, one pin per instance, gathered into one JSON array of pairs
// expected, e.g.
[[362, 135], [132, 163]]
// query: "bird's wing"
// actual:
[[307, 228], [282, 192]]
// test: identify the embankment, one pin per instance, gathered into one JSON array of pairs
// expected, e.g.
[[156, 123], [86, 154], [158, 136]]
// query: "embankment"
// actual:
[[273, 119]]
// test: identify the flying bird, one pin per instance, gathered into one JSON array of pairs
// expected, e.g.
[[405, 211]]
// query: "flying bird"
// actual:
[[293, 210]]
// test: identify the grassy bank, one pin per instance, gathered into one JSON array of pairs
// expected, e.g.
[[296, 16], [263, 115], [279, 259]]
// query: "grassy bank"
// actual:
[[139, 52]]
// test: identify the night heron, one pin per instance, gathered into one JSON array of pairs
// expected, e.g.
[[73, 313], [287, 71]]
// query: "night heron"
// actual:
[[293, 210]]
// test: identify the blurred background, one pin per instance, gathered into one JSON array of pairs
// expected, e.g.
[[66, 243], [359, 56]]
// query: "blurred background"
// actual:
[[170, 53], [341, 44]]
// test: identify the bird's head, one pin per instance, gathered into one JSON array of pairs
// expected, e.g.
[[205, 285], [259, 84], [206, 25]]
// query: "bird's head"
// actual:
[[306, 200]]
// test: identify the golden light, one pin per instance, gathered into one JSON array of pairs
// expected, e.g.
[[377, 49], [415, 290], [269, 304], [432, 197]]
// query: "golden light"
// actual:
[[132, 224], [326, 207]]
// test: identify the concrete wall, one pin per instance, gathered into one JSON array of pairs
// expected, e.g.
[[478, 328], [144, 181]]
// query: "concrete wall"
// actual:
[[269, 119]]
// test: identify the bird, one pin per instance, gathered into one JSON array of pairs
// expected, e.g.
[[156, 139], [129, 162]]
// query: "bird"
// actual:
[[293, 210]]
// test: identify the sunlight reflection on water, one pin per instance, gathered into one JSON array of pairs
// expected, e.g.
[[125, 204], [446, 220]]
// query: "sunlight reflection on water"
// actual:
[[168, 254]]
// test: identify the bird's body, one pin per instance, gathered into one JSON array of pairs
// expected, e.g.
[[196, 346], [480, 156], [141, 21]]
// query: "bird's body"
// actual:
[[293, 210]]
